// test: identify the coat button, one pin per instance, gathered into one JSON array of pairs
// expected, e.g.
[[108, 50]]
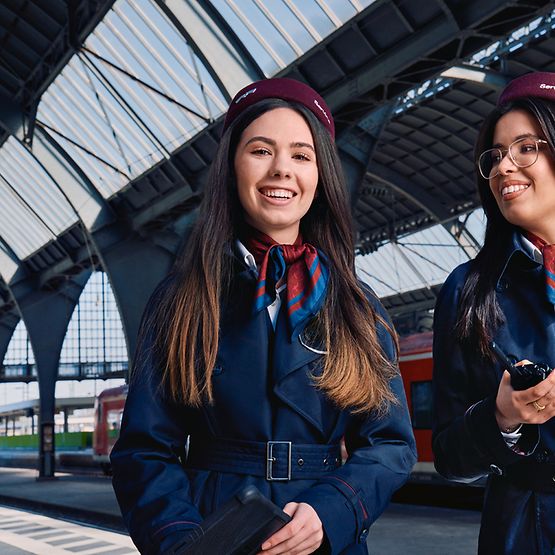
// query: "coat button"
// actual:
[[300, 462], [553, 478], [363, 535], [495, 469]]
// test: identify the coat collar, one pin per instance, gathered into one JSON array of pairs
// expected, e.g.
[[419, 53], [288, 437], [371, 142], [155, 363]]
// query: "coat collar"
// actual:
[[515, 250]]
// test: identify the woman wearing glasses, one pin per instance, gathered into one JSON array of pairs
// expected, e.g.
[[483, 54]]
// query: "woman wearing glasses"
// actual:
[[507, 295]]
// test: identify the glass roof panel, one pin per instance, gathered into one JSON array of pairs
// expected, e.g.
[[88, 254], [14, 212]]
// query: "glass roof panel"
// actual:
[[33, 210], [133, 95], [278, 32], [8, 266], [422, 259]]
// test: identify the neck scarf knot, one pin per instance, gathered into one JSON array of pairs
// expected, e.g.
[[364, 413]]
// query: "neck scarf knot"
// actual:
[[548, 253], [300, 265]]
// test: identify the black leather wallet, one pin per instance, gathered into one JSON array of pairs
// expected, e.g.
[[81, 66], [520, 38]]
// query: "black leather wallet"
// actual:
[[239, 527]]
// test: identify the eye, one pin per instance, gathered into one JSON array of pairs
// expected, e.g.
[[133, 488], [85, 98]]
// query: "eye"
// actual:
[[301, 156], [495, 156], [261, 151], [527, 147]]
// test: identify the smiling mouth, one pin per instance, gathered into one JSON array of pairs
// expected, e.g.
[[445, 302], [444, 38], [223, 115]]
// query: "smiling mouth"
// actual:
[[513, 189], [277, 193]]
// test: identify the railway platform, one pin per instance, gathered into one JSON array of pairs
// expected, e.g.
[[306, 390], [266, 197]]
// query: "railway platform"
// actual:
[[402, 530], [25, 533]]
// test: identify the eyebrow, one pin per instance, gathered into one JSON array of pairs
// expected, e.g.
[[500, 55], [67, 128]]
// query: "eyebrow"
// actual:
[[271, 142], [523, 136]]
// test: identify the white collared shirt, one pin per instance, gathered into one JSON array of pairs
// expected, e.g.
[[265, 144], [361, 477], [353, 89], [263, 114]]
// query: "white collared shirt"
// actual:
[[531, 249]]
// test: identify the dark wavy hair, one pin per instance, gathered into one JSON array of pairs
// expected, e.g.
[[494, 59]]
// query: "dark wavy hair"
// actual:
[[186, 321], [479, 313]]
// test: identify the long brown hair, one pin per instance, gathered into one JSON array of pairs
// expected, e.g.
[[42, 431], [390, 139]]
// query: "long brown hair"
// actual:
[[479, 313], [356, 372]]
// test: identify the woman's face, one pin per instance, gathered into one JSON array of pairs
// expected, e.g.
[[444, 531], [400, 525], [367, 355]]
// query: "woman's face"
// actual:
[[276, 171], [525, 196]]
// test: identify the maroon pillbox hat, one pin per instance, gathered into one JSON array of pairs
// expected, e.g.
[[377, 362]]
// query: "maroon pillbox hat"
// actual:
[[286, 89], [540, 84]]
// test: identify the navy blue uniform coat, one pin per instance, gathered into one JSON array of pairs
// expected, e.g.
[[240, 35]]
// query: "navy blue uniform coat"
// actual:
[[466, 439], [262, 391]]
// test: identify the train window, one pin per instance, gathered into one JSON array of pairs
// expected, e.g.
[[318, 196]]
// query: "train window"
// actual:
[[114, 422], [421, 401]]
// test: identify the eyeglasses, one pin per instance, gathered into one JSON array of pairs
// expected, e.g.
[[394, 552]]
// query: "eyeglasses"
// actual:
[[523, 153]]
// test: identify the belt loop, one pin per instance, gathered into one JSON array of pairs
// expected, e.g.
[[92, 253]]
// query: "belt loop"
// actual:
[[270, 460]]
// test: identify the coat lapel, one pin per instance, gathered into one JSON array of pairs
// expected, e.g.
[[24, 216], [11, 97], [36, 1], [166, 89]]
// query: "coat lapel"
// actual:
[[289, 355], [293, 366]]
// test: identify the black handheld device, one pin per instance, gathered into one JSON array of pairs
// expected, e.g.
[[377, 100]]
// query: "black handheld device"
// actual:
[[238, 527], [523, 376]]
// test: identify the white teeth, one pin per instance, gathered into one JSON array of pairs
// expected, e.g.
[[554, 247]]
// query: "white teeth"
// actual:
[[278, 193], [513, 189]]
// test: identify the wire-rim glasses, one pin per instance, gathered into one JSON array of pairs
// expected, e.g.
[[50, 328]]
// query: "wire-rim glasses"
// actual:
[[523, 152]]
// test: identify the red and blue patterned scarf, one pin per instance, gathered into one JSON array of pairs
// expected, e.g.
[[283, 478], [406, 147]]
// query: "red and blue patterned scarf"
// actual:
[[300, 265], [548, 253]]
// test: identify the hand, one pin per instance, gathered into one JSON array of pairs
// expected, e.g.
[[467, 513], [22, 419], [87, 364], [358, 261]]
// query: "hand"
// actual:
[[302, 535], [517, 407]]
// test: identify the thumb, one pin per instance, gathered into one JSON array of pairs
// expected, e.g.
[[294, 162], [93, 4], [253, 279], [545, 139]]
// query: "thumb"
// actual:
[[291, 508]]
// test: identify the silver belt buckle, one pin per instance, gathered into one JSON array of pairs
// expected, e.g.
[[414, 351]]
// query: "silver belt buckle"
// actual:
[[270, 460]]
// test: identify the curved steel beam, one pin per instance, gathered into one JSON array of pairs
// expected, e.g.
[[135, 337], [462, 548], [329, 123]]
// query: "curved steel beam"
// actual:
[[405, 187], [226, 58]]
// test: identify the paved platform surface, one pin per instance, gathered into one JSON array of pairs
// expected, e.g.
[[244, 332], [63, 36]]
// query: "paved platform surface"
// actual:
[[23, 533], [402, 529]]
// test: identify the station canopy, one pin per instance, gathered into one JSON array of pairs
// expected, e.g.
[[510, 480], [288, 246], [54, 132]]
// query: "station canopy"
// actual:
[[110, 114]]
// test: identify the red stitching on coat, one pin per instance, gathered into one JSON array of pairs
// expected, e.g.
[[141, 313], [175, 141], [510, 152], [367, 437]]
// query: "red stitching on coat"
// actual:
[[355, 494], [176, 522]]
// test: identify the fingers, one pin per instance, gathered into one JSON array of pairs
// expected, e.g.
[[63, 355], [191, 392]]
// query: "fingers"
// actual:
[[540, 400], [538, 391], [517, 407], [303, 535]]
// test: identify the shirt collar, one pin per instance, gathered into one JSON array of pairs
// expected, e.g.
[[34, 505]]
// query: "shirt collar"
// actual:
[[245, 255], [531, 249]]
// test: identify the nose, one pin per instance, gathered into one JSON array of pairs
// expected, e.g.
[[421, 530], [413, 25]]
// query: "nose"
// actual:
[[281, 166], [507, 164]]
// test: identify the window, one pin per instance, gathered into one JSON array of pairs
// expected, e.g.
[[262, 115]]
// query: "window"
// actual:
[[421, 400]]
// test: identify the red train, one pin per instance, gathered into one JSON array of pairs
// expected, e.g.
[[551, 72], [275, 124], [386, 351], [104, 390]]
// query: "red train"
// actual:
[[416, 368], [416, 364], [108, 410]]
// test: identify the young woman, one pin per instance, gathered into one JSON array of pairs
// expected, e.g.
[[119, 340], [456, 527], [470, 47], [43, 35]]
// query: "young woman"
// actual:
[[483, 426], [263, 351]]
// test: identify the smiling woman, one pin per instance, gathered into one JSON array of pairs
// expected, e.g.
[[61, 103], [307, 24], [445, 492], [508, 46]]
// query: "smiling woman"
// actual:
[[276, 176], [506, 295], [262, 350]]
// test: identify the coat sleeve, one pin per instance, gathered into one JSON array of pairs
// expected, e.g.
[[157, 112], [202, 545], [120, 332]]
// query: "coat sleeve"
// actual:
[[150, 484], [382, 452], [466, 439]]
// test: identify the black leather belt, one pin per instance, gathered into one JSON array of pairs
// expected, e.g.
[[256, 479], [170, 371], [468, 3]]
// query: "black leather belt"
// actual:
[[532, 475], [274, 460]]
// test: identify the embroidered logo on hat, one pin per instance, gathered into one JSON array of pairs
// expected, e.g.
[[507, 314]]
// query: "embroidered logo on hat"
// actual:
[[244, 95], [546, 86], [323, 111]]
